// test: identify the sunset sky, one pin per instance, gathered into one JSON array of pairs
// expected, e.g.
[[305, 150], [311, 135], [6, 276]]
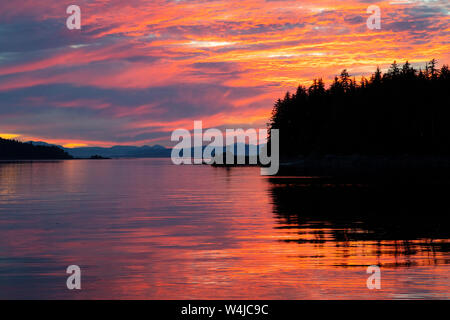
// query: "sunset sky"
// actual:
[[139, 69]]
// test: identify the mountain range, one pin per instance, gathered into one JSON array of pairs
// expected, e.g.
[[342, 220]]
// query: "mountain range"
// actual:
[[156, 151]]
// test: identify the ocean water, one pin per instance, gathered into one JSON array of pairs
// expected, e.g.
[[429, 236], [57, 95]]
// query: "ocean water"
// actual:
[[147, 229]]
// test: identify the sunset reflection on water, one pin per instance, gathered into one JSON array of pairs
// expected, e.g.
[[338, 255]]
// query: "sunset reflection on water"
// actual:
[[147, 229]]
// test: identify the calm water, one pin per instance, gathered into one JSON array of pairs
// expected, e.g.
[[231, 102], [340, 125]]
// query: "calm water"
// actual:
[[147, 229]]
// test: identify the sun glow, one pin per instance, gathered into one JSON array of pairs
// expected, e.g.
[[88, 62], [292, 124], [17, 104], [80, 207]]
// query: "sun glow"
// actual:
[[9, 135], [74, 145]]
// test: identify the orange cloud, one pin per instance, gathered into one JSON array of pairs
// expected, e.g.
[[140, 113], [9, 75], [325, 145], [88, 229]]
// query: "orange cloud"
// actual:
[[270, 46]]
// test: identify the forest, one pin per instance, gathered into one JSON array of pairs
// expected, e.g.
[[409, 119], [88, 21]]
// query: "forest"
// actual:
[[403, 111], [16, 150]]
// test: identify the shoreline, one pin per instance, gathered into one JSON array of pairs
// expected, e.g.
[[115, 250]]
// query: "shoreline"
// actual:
[[422, 168]]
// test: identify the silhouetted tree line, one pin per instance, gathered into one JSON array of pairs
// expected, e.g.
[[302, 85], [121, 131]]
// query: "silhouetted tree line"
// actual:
[[12, 149], [403, 111]]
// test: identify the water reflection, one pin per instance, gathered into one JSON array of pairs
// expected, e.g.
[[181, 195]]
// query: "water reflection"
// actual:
[[393, 224], [149, 230]]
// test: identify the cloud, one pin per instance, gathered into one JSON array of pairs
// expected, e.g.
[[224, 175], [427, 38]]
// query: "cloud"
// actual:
[[90, 113], [136, 71]]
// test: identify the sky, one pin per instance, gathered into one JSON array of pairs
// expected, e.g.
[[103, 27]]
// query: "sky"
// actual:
[[139, 69]]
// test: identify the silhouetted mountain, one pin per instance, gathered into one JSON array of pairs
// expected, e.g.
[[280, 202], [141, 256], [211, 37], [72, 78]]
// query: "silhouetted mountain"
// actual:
[[237, 149], [42, 143], [16, 150], [121, 152], [155, 151], [403, 111]]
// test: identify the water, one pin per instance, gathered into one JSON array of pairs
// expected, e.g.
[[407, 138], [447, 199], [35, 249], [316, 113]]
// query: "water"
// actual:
[[147, 229]]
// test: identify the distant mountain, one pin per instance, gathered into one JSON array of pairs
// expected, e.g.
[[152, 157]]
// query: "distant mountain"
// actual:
[[156, 151], [16, 150], [248, 150], [45, 144]]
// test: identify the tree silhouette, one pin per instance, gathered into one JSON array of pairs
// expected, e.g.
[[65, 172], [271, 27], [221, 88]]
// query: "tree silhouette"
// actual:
[[15, 150], [400, 112]]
